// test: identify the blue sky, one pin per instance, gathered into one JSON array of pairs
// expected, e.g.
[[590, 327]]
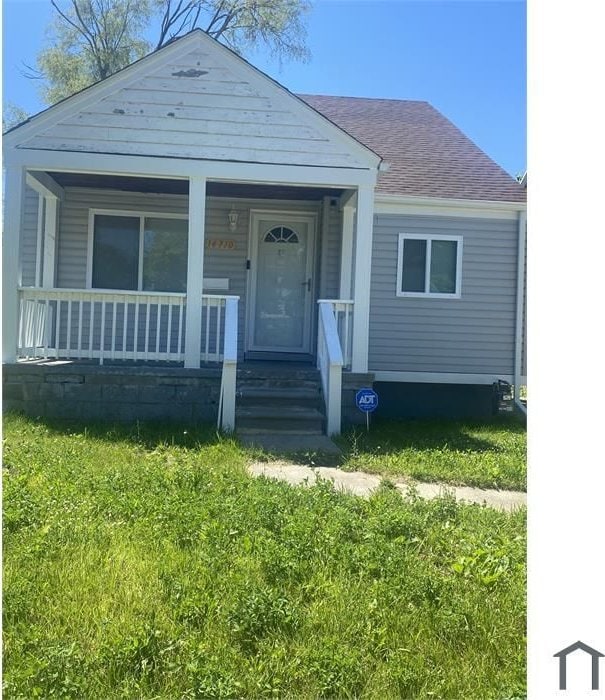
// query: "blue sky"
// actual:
[[467, 58]]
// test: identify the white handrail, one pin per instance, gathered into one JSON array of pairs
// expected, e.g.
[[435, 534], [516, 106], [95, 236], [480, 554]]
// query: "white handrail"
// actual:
[[343, 311], [226, 411], [330, 363]]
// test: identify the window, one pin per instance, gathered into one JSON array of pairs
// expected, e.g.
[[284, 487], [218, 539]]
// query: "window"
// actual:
[[429, 265], [139, 252]]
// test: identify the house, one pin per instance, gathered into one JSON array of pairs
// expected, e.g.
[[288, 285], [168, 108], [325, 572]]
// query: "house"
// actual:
[[188, 226]]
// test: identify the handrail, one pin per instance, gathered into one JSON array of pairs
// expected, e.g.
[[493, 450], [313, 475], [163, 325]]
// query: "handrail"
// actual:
[[343, 311], [330, 363], [226, 410]]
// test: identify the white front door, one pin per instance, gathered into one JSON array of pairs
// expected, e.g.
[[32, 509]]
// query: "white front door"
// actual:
[[281, 282]]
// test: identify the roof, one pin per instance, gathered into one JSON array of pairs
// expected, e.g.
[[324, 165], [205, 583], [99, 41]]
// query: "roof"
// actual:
[[427, 155]]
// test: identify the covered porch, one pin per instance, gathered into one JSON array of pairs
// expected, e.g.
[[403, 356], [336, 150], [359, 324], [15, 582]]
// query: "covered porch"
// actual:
[[220, 301]]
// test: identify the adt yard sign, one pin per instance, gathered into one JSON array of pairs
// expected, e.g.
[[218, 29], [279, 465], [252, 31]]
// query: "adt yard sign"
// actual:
[[366, 400]]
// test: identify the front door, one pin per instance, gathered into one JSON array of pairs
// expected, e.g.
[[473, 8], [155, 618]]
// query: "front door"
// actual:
[[281, 282]]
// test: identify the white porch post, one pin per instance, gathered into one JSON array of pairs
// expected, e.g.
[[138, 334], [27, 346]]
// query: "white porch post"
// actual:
[[195, 271], [361, 279], [50, 241], [13, 214], [346, 251]]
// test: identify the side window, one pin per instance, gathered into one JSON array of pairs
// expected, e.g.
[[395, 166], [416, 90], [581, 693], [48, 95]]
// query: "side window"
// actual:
[[429, 266]]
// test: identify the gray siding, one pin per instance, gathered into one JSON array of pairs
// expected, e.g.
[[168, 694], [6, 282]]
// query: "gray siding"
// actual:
[[332, 242], [29, 237], [474, 334], [73, 236]]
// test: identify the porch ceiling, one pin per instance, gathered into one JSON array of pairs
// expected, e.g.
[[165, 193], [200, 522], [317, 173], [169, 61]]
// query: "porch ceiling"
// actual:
[[213, 189]]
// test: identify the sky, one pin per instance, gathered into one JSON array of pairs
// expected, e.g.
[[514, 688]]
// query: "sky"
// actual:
[[467, 58]]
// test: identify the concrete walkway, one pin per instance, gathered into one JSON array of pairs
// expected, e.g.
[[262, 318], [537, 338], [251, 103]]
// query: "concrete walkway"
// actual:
[[362, 484]]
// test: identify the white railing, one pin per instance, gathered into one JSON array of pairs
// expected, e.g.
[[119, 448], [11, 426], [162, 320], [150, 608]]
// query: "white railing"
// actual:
[[343, 312], [226, 409], [109, 325], [330, 363]]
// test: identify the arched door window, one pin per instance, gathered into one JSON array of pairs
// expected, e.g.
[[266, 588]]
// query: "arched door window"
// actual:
[[281, 234]]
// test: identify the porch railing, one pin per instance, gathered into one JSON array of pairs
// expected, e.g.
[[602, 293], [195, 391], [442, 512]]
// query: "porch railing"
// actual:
[[107, 325], [226, 409], [330, 363], [343, 313]]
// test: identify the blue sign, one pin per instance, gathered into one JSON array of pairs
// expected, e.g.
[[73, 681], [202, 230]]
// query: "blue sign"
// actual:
[[366, 400]]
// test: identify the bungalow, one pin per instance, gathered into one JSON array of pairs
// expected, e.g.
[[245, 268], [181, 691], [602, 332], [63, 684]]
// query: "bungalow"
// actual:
[[188, 239]]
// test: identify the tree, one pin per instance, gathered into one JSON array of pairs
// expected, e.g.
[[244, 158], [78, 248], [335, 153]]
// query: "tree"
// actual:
[[12, 115], [91, 39]]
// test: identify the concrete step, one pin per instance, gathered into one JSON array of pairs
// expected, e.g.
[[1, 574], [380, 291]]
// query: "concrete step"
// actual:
[[309, 397], [270, 418], [271, 372]]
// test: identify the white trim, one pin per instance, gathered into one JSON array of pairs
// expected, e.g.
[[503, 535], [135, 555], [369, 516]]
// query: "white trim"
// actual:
[[39, 239], [51, 212], [438, 377], [311, 219], [183, 168], [362, 275], [346, 251], [429, 238], [519, 304], [13, 220], [44, 184], [127, 213], [438, 206], [195, 271]]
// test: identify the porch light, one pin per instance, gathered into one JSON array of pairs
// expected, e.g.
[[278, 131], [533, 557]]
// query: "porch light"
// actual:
[[233, 216]]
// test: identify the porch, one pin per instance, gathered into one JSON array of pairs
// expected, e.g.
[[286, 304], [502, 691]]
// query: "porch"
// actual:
[[194, 328]]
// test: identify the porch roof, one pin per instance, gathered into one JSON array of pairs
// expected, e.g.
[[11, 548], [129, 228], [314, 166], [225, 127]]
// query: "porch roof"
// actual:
[[157, 185]]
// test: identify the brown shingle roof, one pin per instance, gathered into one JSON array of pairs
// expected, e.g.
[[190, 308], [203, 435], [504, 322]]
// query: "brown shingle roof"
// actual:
[[428, 156]]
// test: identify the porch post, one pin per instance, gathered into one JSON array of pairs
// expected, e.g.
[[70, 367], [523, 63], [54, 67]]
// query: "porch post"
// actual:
[[50, 241], [361, 278], [13, 215], [195, 271]]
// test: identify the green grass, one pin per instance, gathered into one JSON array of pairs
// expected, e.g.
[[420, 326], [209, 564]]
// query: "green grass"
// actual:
[[145, 563], [490, 454]]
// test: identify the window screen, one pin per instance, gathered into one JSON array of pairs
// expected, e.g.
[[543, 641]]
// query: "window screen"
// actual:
[[165, 255], [443, 267], [115, 258]]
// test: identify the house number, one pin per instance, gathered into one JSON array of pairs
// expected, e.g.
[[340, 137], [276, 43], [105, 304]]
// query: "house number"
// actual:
[[219, 244]]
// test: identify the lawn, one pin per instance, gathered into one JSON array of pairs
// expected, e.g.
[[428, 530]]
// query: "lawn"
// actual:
[[143, 562], [490, 454]]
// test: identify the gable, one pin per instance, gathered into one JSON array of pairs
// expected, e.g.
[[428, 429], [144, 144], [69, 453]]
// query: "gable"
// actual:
[[194, 99]]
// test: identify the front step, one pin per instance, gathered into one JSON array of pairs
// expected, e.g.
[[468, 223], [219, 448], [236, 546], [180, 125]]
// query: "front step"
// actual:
[[277, 400], [308, 396], [279, 419]]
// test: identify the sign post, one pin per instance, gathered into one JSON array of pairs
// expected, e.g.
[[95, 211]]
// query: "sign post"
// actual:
[[367, 402]]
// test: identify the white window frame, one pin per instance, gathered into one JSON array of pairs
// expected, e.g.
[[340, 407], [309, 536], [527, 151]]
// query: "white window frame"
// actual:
[[429, 238], [132, 214]]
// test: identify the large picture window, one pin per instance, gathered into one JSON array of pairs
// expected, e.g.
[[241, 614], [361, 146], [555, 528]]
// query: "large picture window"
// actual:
[[429, 265], [139, 252]]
